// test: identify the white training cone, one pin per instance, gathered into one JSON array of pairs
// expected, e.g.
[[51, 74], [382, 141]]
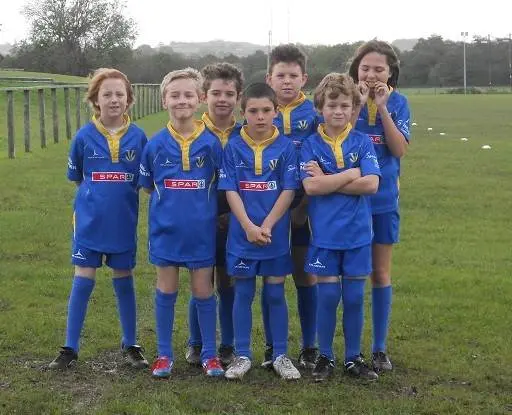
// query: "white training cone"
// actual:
[[414, 124], [442, 133], [429, 129], [486, 147], [463, 139]]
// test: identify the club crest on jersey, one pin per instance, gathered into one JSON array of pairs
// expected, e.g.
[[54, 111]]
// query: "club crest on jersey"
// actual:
[[273, 164], [178, 184], [200, 161], [130, 155], [111, 176], [353, 157], [303, 125], [258, 186]]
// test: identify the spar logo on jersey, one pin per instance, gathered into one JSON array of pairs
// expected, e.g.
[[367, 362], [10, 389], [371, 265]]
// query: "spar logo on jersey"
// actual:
[[273, 164], [179, 184], [303, 125], [111, 176], [377, 139], [130, 155], [258, 186]]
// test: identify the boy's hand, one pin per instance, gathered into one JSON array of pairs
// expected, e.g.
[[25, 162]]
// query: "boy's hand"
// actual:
[[256, 235], [364, 92], [382, 93], [313, 169]]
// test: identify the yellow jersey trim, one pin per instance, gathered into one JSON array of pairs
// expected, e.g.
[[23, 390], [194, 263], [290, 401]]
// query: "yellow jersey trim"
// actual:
[[286, 110], [222, 135], [372, 109], [258, 147], [336, 143], [186, 142], [113, 140]]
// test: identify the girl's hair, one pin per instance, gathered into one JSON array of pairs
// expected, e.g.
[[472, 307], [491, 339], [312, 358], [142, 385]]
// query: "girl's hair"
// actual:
[[382, 48], [187, 73], [332, 86], [225, 71], [95, 83]]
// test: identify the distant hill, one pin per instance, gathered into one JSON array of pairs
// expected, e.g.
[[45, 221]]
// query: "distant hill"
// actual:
[[5, 48], [219, 48], [404, 44]]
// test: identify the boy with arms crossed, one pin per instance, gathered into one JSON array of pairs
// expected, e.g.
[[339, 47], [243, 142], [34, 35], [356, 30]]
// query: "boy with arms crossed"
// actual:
[[338, 167]]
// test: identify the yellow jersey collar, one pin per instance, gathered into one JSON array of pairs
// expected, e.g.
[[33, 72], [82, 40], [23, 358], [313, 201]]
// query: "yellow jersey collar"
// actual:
[[113, 139], [186, 142], [286, 110], [258, 147], [336, 143], [222, 135]]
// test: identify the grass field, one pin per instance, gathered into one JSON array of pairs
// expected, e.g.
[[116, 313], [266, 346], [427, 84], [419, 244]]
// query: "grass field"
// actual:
[[450, 337]]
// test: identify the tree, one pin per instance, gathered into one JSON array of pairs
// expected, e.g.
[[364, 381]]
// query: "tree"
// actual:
[[80, 34]]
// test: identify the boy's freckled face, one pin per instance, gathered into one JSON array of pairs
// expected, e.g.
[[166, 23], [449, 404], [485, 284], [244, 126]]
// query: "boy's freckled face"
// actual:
[[181, 99], [372, 68], [259, 114], [338, 111], [221, 98], [112, 98], [287, 81]]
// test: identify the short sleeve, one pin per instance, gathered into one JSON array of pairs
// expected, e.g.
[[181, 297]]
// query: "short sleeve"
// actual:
[[289, 169], [146, 168], [76, 159], [369, 163], [306, 155], [227, 173]]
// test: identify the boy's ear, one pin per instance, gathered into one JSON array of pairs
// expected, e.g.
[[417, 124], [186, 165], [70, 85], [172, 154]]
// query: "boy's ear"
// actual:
[[242, 113], [304, 79], [267, 78]]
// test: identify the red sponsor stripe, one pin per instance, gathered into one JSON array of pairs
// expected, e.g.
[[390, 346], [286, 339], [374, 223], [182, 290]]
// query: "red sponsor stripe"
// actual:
[[106, 176], [376, 139], [183, 184], [257, 186]]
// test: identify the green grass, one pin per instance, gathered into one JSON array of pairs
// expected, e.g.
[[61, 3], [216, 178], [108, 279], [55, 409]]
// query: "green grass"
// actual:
[[450, 331], [57, 78]]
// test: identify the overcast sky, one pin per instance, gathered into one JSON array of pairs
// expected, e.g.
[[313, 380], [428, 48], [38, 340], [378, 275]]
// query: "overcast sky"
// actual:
[[309, 22]]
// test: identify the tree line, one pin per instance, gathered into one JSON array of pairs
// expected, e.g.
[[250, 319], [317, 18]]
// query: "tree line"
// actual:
[[77, 36]]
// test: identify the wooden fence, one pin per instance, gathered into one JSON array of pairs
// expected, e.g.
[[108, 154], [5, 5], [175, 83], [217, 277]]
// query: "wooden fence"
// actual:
[[68, 110]]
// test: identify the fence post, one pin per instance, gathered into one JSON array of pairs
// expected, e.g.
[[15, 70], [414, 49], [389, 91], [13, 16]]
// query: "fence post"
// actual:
[[26, 118], [55, 116], [42, 129], [68, 113], [77, 108], [137, 101], [10, 125]]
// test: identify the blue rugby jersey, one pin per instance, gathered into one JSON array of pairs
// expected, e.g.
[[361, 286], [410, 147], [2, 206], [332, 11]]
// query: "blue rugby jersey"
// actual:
[[369, 122], [223, 136], [339, 221], [259, 172], [106, 205], [183, 206], [297, 120]]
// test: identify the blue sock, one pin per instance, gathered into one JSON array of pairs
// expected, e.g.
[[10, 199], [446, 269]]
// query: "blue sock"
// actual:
[[381, 309], [195, 338], [245, 289], [77, 308], [329, 294], [226, 299], [164, 311], [125, 294], [353, 316], [278, 309], [207, 316], [266, 316], [307, 299]]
